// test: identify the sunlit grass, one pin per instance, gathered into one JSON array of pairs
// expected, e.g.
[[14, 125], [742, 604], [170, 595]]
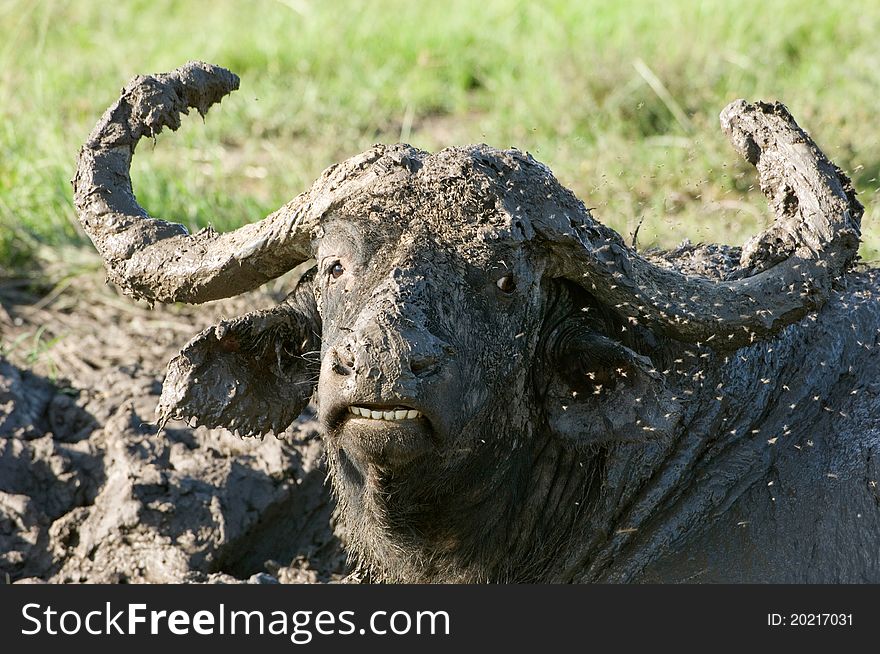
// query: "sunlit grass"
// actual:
[[619, 99]]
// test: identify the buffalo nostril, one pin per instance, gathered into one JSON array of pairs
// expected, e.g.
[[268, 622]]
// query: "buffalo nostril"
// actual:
[[343, 361], [423, 365]]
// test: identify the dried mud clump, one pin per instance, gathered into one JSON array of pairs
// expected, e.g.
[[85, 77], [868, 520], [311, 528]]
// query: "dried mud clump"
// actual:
[[91, 491]]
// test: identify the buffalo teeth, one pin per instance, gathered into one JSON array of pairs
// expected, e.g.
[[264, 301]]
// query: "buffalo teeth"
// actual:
[[391, 415]]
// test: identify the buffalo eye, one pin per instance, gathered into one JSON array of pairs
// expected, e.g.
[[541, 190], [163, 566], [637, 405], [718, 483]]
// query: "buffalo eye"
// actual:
[[507, 284], [336, 270]]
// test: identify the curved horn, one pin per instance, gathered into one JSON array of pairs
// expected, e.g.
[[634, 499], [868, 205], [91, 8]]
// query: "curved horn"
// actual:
[[785, 272], [158, 260]]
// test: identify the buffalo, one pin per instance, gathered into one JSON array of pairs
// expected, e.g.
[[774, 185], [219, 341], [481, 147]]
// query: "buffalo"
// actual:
[[508, 392]]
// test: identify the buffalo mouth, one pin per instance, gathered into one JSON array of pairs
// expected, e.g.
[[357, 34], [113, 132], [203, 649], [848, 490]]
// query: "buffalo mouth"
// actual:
[[395, 414], [383, 434]]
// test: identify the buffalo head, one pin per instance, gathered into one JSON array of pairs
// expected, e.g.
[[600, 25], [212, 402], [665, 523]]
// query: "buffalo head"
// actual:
[[476, 343]]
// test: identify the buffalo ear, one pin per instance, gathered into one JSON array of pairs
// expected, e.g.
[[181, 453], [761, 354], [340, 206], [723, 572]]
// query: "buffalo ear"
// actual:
[[252, 374], [600, 391]]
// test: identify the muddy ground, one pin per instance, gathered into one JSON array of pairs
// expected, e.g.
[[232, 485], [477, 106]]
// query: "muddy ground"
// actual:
[[91, 491]]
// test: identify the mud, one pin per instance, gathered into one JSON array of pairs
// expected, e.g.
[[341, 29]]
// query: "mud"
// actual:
[[91, 491]]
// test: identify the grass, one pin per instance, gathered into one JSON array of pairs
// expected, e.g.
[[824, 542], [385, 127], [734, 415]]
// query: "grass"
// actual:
[[619, 99], [33, 348]]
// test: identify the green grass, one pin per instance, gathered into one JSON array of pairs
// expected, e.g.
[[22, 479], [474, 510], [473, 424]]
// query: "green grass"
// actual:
[[322, 80]]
